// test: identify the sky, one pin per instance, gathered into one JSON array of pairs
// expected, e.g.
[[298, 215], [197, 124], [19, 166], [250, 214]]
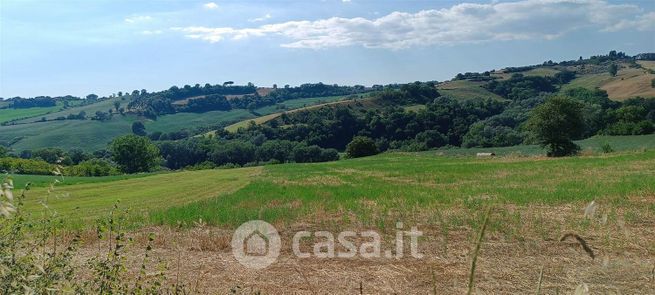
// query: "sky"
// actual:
[[66, 47]]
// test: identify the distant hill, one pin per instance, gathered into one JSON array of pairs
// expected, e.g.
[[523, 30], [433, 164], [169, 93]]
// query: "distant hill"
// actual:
[[192, 110]]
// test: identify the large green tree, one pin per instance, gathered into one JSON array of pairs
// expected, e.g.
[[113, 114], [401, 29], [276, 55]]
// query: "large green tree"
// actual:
[[556, 123], [134, 153]]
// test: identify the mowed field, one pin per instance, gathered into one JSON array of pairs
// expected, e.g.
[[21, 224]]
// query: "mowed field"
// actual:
[[534, 201], [7, 115], [90, 200]]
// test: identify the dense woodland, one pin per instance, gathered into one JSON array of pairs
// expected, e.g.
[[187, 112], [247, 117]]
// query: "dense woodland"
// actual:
[[385, 120]]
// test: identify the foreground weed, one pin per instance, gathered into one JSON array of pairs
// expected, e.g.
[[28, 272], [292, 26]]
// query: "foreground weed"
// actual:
[[477, 250], [36, 256]]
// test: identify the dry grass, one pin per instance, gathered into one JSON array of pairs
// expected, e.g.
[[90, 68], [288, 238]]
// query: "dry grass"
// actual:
[[521, 244], [630, 83]]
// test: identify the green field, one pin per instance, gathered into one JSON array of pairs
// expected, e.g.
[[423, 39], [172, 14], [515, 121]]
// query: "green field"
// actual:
[[463, 89], [190, 121], [21, 180], [7, 115], [590, 81], [593, 144], [89, 135], [368, 188], [90, 109], [541, 71], [83, 202]]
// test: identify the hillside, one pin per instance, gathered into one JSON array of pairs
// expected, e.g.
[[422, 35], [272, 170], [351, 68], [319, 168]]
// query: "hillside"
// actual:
[[194, 114], [296, 105]]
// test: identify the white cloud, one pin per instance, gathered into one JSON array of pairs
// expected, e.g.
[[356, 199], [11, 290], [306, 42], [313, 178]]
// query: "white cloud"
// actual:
[[345, 1], [260, 19], [151, 32], [462, 23], [138, 19], [210, 5]]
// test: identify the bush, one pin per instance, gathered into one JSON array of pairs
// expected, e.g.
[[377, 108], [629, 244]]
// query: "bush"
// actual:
[[93, 167], [36, 257], [606, 148], [361, 146], [307, 154], [26, 166]]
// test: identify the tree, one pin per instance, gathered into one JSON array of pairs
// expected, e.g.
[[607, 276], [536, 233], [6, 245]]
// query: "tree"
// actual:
[[613, 69], [139, 129], [361, 146], [134, 153], [50, 155], [556, 123], [3, 151], [77, 156]]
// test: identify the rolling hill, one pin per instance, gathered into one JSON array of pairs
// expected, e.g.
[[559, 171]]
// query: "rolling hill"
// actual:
[[22, 128]]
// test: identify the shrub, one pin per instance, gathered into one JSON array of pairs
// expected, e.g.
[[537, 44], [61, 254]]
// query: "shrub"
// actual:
[[361, 146], [26, 166], [93, 167], [606, 148], [37, 258], [307, 154]]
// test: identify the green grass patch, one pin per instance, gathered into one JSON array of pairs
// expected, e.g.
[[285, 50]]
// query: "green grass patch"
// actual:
[[90, 109], [84, 202], [590, 81], [463, 89], [20, 180], [7, 115], [190, 121], [89, 135], [594, 144], [402, 186]]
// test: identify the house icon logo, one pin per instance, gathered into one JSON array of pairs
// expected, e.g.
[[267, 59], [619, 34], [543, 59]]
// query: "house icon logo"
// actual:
[[256, 244]]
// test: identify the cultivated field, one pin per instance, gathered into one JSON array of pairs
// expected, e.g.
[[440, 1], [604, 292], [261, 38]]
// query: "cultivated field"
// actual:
[[463, 89], [534, 201], [269, 113], [7, 115], [628, 82]]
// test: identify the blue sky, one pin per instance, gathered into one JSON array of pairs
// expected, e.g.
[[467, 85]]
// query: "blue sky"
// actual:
[[81, 47]]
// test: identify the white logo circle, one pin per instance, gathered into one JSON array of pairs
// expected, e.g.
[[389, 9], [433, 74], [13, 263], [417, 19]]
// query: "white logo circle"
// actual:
[[256, 244]]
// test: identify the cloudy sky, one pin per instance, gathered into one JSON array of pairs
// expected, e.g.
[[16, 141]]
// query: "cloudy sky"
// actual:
[[81, 47]]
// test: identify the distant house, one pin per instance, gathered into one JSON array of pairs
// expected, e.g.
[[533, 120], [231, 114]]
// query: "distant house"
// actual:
[[645, 56], [481, 155]]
